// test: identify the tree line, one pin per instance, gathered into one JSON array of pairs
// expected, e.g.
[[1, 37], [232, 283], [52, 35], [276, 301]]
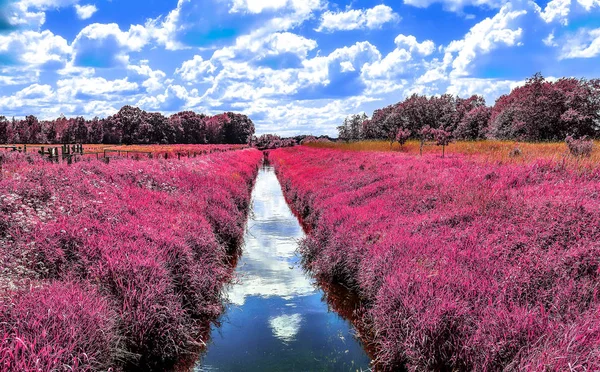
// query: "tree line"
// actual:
[[131, 125], [540, 110]]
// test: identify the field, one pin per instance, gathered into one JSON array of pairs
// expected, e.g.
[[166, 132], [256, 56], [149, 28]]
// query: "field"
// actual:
[[116, 265], [462, 264], [489, 151], [96, 151]]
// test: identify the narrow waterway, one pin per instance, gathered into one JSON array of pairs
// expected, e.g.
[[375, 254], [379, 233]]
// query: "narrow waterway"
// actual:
[[277, 318]]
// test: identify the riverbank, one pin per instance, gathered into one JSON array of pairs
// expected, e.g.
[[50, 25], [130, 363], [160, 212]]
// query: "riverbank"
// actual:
[[463, 264], [116, 266]]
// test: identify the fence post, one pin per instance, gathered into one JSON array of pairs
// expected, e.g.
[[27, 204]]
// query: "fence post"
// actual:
[[178, 156]]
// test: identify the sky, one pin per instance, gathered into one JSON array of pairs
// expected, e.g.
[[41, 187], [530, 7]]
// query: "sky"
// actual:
[[293, 66]]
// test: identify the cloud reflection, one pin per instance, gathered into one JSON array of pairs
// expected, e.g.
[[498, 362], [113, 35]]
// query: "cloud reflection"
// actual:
[[286, 327], [270, 244]]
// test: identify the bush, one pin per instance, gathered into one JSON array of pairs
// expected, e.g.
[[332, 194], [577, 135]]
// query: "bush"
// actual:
[[582, 147]]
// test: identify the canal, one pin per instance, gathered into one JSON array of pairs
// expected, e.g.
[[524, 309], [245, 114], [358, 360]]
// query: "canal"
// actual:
[[277, 317]]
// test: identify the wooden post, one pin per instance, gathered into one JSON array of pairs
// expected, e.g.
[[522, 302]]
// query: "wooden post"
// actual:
[[166, 155], [178, 156]]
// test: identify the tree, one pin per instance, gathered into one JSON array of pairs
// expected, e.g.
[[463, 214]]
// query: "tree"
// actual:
[[391, 126], [352, 128], [130, 120], [81, 130], [161, 130], [4, 123], [238, 129], [214, 129], [402, 136], [193, 126], [473, 124], [442, 138]]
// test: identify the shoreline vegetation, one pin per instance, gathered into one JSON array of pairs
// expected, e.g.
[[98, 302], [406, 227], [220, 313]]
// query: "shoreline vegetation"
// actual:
[[462, 264], [116, 265]]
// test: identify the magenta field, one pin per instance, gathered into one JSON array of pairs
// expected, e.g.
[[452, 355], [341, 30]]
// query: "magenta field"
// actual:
[[116, 266], [461, 264]]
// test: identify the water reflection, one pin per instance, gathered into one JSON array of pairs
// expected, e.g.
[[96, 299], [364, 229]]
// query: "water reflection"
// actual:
[[277, 319]]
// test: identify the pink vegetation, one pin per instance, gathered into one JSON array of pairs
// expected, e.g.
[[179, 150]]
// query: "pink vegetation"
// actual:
[[117, 265], [463, 265]]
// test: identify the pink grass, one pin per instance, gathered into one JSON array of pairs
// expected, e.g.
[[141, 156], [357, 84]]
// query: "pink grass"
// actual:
[[151, 240], [464, 265]]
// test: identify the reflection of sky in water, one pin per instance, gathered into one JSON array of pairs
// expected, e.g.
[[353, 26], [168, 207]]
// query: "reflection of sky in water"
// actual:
[[277, 319], [267, 267]]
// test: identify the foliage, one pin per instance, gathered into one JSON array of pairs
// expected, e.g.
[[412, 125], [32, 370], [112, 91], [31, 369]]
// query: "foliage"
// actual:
[[538, 111], [464, 265], [582, 147], [131, 125], [272, 141]]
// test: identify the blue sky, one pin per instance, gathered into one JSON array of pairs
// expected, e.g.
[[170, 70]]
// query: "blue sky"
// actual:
[[294, 66]]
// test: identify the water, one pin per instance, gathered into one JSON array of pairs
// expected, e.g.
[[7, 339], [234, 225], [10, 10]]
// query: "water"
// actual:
[[277, 319]]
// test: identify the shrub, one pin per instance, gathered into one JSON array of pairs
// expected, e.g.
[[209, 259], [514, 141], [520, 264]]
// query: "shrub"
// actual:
[[582, 147]]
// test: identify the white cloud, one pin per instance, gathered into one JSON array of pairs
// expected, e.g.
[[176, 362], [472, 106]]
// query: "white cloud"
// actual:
[[490, 89], [583, 44], [257, 6], [174, 98], [486, 36], [356, 19], [35, 48], [549, 40], [557, 10], [589, 4], [197, 67], [85, 11], [152, 80], [94, 88], [425, 48], [457, 5], [105, 45]]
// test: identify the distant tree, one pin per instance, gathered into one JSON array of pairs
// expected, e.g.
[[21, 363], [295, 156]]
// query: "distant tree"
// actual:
[[96, 130], [473, 124], [193, 126], [130, 120], [112, 130], [4, 123], [352, 128], [442, 138], [81, 130], [402, 136], [391, 125], [214, 128], [542, 110], [239, 129], [161, 130]]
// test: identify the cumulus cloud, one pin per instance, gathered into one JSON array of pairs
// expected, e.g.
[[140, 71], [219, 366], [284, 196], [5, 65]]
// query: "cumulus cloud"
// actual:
[[583, 44], [457, 5], [44, 49], [486, 36], [356, 19], [105, 45], [85, 11]]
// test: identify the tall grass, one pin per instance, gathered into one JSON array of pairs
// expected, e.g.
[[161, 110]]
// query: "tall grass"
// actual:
[[464, 265], [491, 151], [116, 266]]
